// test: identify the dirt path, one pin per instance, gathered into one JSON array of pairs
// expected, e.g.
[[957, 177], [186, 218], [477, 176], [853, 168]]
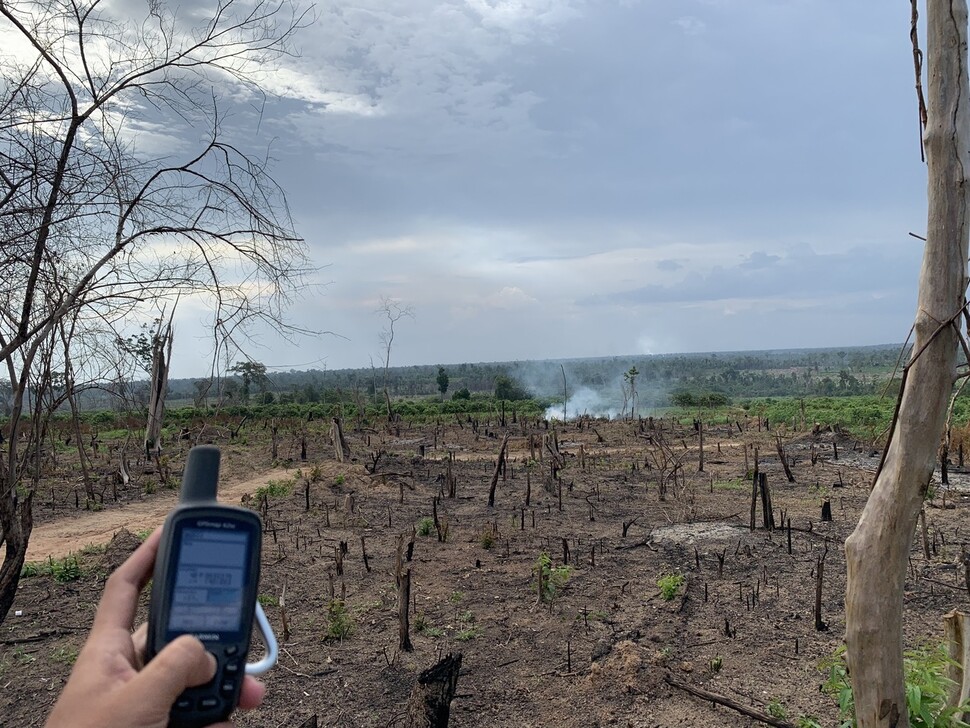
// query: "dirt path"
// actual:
[[59, 538]]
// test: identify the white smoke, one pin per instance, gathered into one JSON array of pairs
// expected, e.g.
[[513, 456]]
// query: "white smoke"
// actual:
[[584, 401]]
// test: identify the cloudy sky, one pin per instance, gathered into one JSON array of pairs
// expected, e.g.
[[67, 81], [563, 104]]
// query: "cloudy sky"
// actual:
[[564, 178]]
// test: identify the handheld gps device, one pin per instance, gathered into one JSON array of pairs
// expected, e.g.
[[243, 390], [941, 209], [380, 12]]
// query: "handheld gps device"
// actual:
[[205, 583]]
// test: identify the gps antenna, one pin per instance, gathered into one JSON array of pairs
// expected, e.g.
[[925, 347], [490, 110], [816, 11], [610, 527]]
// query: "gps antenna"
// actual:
[[200, 480]]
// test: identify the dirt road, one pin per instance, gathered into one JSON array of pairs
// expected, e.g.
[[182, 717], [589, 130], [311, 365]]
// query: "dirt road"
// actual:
[[60, 538]]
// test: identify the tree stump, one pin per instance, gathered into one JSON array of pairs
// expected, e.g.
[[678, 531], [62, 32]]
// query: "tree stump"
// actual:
[[430, 703]]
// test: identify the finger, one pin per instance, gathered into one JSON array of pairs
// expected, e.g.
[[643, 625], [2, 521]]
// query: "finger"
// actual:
[[252, 693], [140, 642], [120, 598], [183, 663]]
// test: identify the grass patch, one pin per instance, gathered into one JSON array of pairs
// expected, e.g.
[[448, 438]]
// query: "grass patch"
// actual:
[[735, 484], [274, 489]]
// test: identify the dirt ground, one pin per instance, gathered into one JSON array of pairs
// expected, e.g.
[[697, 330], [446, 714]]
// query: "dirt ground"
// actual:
[[599, 651]]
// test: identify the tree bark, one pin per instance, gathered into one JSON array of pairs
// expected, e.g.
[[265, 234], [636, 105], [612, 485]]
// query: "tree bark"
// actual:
[[161, 357], [430, 703], [878, 549], [498, 470]]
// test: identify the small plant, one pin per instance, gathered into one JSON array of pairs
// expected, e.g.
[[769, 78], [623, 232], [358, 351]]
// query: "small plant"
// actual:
[[65, 655], [425, 526], [807, 721], [777, 709], [716, 663], [22, 657], [422, 625], [340, 624], [93, 549], [927, 685], [487, 539], [469, 633], [551, 579], [669, 585], [268, 600], [32, 568], [340, 479], [143, 534], [65, 570], [274, 489]]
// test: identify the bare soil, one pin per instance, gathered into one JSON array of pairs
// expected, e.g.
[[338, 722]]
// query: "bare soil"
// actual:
[[598, 653]]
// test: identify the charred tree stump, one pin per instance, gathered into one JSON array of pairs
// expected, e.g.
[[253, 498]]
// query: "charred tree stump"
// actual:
[[498, 470], [820, 626], [430, 703], [402, 579], [784, 460], [767, 512]]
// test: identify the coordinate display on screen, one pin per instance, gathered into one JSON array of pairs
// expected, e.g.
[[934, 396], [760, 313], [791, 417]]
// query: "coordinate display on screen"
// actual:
[[209, 581]]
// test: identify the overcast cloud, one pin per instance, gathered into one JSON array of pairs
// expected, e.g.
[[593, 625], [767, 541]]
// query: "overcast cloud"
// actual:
[[559, 178]]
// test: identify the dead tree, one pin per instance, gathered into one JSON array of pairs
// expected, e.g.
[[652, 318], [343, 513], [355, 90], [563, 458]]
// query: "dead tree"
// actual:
[[784, 459], [878, 550], [498, 470], [83, 209], [402, 579], [161, 358]]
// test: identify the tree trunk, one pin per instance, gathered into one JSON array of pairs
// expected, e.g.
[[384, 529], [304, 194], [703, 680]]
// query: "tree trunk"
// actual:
[[878, 549], [161, 357], [498, 470], [430, 703], [341, 449]]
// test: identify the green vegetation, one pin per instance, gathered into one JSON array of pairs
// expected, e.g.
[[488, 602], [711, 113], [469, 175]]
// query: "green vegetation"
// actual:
[[62, 570], [469, 633], [65, 655], [735, 484], [926, 688], [488, 537], [550, 579], [508, 389], [268, 600], [340, 624], [425, 526], [777, 709], [670, 585], [274, 489]]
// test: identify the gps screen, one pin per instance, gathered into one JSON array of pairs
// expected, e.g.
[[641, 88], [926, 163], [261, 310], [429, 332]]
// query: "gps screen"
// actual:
[[209, 581]]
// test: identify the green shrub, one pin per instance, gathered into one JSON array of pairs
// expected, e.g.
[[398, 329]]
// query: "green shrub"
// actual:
[[65, 570], [425, 526], [927, 685], [275, 489], [340, 624], [670, 584], [550, 579]]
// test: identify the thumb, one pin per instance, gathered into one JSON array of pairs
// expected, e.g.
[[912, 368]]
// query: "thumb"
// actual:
[[183, 663]]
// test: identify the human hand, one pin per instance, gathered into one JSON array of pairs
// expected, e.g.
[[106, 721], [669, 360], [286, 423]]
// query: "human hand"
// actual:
[[110, 685]]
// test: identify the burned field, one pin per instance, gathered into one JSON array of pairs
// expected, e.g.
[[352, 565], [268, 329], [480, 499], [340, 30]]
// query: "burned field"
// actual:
[[615, 579]]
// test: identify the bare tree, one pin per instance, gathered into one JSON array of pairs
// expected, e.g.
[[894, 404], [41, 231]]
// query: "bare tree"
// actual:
[[878, 549], [393, 311], [91, 222]]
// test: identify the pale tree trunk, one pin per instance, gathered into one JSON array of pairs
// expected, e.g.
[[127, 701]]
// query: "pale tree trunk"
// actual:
[[878, 550], [161, 358]]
